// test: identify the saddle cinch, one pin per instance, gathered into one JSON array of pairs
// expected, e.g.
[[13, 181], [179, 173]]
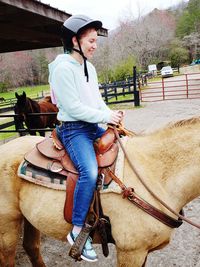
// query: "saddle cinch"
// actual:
[[50, 155]]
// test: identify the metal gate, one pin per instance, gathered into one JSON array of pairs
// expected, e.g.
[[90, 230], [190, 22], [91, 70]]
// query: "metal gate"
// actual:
[[186, 86]]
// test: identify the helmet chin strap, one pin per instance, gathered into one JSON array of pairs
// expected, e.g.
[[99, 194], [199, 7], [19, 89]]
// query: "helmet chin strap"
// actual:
[[84, 59]]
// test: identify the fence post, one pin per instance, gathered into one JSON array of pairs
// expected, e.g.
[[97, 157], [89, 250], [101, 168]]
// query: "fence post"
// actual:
[[123, 87], [115, 90], [105, 93], [135, 91]]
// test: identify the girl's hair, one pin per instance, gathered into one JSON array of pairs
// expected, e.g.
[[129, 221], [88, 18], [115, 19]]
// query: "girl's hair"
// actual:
[[67, 35], [66, 38]]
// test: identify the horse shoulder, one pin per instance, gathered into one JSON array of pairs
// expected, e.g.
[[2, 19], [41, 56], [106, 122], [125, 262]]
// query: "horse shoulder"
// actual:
[[10, 184], [132, 228]]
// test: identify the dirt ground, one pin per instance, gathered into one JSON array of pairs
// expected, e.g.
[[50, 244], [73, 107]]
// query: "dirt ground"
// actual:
[[184, 248]]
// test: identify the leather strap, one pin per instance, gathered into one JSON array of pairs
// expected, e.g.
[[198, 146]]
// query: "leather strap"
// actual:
[[156, 213], [142, 204]]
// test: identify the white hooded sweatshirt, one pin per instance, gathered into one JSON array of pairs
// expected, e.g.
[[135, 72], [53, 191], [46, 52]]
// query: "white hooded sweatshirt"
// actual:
[[77, 99]]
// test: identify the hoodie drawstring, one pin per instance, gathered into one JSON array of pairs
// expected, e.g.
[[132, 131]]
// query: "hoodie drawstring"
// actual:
[[84, 59]]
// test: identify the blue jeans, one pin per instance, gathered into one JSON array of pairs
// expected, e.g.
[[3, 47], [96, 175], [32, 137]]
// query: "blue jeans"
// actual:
[[78, 138]]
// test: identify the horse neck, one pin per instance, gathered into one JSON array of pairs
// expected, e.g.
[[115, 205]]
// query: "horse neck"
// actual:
[[170, 161], [32, 105], [184, 186], [182, 160]]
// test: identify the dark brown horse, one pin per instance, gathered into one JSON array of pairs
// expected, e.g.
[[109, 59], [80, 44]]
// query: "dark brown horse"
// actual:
[[26, 106]]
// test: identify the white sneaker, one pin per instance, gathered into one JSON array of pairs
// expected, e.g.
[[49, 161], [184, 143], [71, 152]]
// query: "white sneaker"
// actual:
[[88, 253]]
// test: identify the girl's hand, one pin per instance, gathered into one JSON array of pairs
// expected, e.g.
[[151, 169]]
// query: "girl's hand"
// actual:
[[116, 117]]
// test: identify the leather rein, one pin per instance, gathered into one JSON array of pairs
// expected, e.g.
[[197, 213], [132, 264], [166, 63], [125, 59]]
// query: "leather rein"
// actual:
[[141, 203]]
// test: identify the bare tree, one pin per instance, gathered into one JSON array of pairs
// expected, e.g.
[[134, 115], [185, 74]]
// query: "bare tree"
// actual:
[[145, 38], [26, 67], [15, 69], [150, 35]]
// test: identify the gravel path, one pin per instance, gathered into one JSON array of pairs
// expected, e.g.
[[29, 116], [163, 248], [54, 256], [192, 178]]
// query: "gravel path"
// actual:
[[184, 249]]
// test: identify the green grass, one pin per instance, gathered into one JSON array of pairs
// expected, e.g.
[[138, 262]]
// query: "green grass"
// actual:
[[8, 135], [30, 91], [159, 78], [128, 105], [123, 106]]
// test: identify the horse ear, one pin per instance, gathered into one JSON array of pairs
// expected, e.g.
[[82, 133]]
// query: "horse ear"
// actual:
[[24, 94], [16, 95]]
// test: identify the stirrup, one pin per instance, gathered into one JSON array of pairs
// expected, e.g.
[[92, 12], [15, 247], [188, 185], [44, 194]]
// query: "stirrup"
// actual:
[[79, 243]]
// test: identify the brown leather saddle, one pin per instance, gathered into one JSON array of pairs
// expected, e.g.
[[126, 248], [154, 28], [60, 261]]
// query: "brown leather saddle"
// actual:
[[50, 155]]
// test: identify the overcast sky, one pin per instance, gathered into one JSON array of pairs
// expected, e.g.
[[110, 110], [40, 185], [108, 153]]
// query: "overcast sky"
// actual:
[[110, 11]]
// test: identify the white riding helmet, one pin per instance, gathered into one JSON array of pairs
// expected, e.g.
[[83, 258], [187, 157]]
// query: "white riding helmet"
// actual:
[[77, 23], [73, 27]]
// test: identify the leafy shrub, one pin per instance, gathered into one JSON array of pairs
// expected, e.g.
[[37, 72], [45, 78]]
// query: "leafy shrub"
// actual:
[[3, 87]]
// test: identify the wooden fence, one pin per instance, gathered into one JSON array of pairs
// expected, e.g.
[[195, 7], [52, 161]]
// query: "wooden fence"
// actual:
[[19, 128], [112, 93], [9, 103]]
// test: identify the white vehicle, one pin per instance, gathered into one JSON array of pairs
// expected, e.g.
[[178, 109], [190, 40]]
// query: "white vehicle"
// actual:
[[167, 71]]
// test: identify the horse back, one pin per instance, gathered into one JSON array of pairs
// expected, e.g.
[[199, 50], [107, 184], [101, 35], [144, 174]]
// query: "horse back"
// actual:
[[46, 106], [49, 120]]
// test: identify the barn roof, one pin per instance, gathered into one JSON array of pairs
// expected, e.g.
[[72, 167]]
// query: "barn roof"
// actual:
[[30, 24]]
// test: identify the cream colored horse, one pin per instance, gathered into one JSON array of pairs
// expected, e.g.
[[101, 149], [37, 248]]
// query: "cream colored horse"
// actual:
[[168, 160]]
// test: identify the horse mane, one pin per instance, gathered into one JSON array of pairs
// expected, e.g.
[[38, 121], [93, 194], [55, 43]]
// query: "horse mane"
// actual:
[[170, 126], [46, 99], [184, 122], [178, 124], [34, 104]]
